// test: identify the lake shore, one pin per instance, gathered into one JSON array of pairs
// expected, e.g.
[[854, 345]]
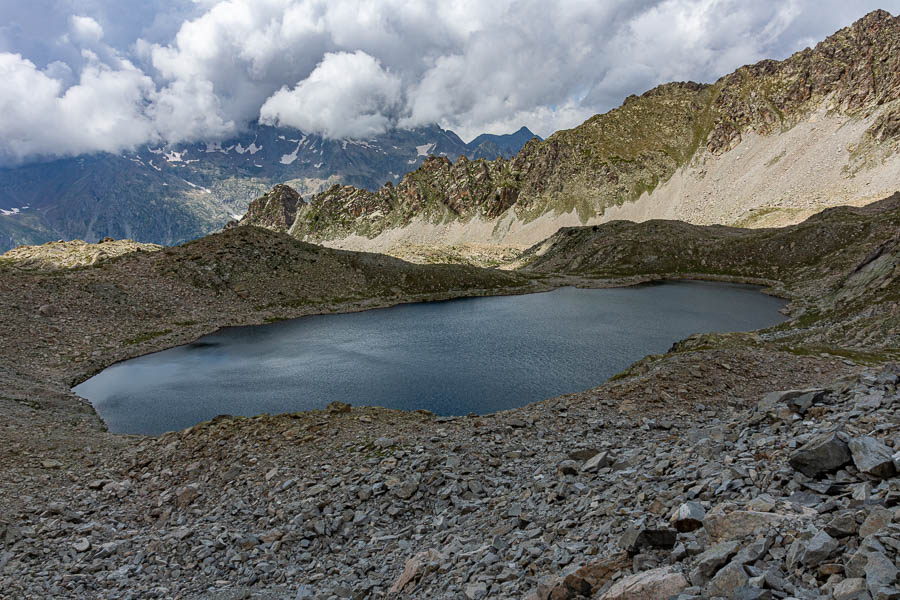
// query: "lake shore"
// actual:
[[269, 504]]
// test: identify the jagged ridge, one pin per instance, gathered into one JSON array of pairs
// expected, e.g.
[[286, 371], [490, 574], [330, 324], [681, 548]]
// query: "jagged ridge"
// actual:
[[615, 157]]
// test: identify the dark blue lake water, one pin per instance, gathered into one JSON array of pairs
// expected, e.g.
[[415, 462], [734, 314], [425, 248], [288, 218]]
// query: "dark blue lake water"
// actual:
[[461, 356]]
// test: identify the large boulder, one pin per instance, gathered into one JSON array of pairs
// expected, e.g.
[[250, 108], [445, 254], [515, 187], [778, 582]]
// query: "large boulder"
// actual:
[[636, 538], [688, 517], [872, 457], [796, 401], [813, 551], [712, 560], [586, 580], [655, 584], [729, 578], [824, 453], [738, 524]]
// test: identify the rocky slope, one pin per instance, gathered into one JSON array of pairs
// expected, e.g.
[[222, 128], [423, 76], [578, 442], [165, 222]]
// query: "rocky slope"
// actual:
[[68, 255], [175, 193], [684, 475], [771, 143]]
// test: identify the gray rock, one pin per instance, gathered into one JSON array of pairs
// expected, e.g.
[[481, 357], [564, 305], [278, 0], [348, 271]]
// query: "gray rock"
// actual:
[[636, 538], [596, 462], [852, 588], [752, 553], [405, 490], [688, 517], [824, 453], [842, 525], [879, 518], [476, 591], [729, 578], [751, 592], [817, 549], [881, 572], [583, 454], [567, 467], [799, 400], [821, 547], [872, 457], [711, 560], [887, 593]]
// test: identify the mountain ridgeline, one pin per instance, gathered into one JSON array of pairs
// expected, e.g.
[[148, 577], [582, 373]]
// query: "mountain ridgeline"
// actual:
[[171, 194], [769, 144]]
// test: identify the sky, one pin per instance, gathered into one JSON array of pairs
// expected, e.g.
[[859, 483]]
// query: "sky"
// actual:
[[85, 76]]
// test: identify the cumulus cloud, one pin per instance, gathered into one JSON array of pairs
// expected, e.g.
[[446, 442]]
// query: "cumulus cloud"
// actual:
[[130, 72], [103, 112], [86, 29], [346, 95]]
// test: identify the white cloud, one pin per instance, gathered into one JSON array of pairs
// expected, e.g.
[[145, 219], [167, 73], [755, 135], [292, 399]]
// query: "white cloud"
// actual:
[[102, 112], [86, 29], [188, 110], [354, 68], [346, 95]]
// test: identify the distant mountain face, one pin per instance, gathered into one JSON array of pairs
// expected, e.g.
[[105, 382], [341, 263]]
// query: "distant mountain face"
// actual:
[[768, 144], [490, 146], [172, 194]]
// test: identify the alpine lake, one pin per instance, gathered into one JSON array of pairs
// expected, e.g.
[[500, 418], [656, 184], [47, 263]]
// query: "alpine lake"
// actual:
[[473, 355]]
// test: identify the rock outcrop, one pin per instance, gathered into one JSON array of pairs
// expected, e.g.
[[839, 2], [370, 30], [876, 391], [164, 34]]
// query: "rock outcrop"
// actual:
[[69, 255], [275, 210]]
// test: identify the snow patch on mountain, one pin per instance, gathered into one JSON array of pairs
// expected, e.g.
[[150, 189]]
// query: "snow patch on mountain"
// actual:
[[198, 187], [287, 159], [217, 147], [425, 149], [252, 148]]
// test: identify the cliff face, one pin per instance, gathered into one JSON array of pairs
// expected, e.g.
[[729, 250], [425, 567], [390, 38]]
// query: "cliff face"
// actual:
[[275, 210], [727, 143]]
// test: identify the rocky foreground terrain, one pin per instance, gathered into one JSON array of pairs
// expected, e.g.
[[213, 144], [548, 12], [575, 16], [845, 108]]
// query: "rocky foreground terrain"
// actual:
[[756, 465]]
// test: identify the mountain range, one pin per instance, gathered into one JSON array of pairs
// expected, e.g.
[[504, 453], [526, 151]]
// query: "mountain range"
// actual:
[[171, 194], [769, 144]]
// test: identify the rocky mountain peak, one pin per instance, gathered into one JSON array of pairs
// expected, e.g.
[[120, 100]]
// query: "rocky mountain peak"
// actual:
[[675, 151], [275, 210]]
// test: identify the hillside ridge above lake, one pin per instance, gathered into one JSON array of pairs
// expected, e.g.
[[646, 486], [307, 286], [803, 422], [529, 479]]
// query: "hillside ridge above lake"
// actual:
[[769, 144]]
